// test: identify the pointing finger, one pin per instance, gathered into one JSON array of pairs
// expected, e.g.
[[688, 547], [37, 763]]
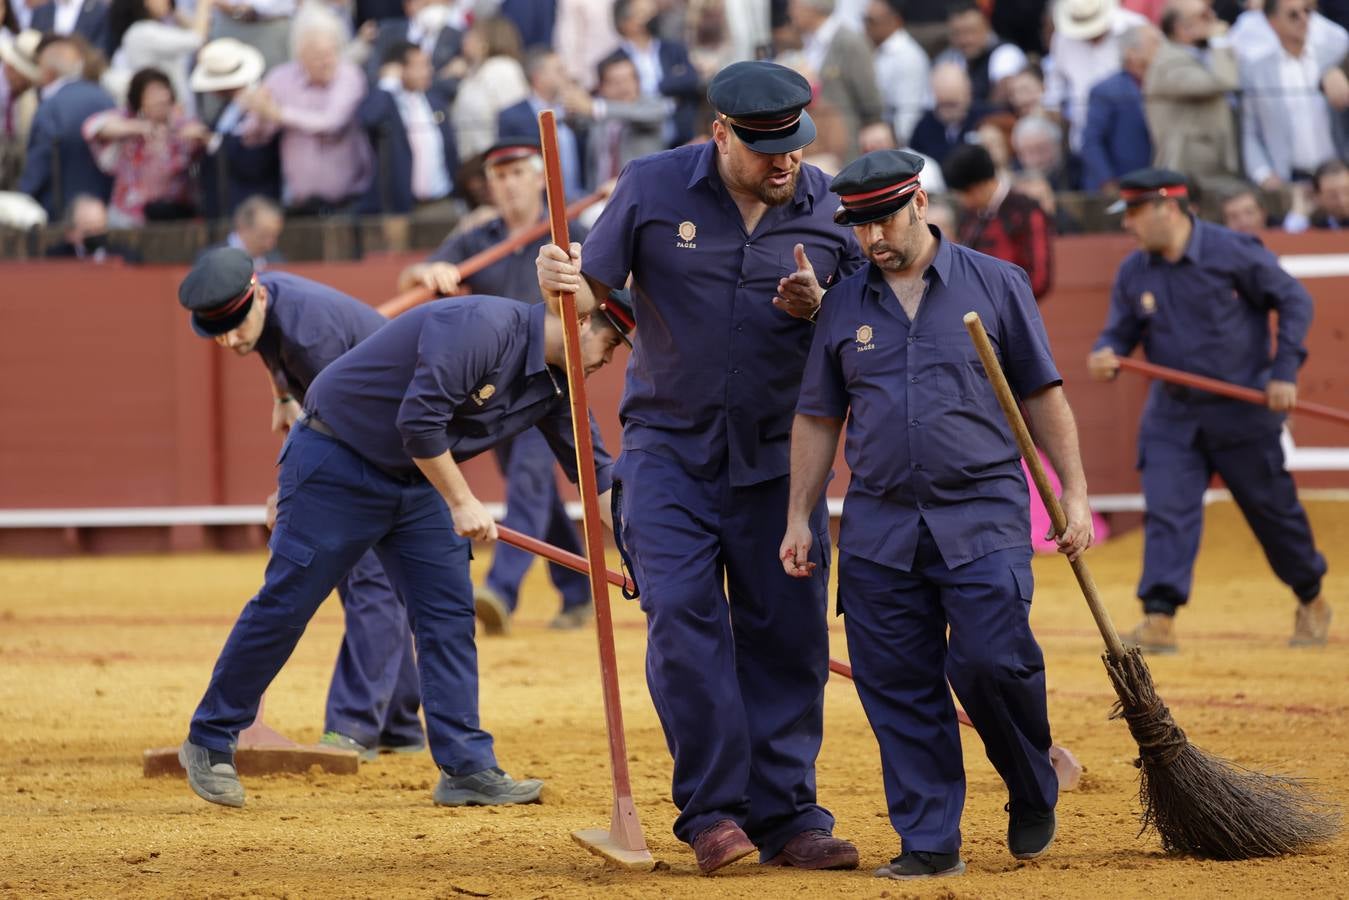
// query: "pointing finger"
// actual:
[[802, 262]]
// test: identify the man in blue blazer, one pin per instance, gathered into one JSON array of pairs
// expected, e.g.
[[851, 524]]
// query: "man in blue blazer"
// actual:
[[1116, 140], [547, 83], [59, 166], [91, 22], [663, 66]]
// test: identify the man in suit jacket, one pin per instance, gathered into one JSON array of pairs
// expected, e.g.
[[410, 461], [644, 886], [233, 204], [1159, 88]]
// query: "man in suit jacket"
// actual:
[[952, 117], [1186, 91], [59, 166], [87, 235], [841, 71], [1287, 129], [663, 67], [1115, 141], [428, 25], [257, 228], [88, 18], [548, 87], [623, 125]]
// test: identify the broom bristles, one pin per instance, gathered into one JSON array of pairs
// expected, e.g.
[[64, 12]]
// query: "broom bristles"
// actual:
[[1201, 804]]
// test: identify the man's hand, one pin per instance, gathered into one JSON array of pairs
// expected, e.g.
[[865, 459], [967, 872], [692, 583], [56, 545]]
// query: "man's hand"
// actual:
[[1281, 395], [1335, 85], [1271, 183], [1103, 364], [271, 511], [441, 277], [285, 413], [795, 550], [799, 294], [472, 521], [558, 273], [1078, 536]]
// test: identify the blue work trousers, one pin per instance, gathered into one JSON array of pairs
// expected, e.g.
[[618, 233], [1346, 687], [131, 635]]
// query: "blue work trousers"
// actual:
[[737, 651], [333, 507], [897, 624]]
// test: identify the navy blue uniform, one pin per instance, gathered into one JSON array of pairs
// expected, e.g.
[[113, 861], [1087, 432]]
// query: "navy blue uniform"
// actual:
[[707, 411], [533, 504], [457, 375], [935, 531], [1208, 314], [373, 697]]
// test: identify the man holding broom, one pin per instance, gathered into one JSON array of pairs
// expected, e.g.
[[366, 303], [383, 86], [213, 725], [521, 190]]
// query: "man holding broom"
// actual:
[[728, 244], [935, 531]]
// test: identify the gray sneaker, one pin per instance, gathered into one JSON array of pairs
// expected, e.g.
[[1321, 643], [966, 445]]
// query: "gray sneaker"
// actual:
[[211, 774], [576, 617], [491, 610], [339, 741], [490, 787]]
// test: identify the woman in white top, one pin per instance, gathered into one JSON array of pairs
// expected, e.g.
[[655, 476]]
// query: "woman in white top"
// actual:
[[152, 34], [493, 79]]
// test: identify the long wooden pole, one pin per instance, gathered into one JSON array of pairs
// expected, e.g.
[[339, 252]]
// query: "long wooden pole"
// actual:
[[1225, 389], [624, 842]]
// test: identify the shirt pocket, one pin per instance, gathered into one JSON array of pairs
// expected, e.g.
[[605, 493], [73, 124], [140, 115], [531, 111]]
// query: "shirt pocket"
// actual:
[[960, 372]]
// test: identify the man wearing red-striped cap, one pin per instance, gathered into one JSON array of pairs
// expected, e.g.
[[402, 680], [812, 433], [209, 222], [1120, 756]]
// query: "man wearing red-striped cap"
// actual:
[[935, 531]]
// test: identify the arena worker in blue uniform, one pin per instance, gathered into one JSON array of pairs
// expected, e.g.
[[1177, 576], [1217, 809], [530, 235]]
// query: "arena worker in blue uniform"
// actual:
[[935, 530], [297, 327], [373, 464], [728, 245], [533, 505], [1198, 297]]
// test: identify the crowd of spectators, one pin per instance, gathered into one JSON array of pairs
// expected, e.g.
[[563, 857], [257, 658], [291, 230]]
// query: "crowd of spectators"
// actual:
[[163, 110]]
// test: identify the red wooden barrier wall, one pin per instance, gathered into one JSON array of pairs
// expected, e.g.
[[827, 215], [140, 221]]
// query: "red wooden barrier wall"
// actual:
[[107, 398]]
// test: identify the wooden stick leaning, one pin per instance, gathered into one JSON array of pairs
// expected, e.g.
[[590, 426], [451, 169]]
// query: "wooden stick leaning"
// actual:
[[1198, 803], [1225, 389], [623, 844], [477, 262]]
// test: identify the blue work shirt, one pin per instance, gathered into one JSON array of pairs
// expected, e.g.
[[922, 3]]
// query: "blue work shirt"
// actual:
[[1208, 313], [308, 325], [926, 438], [461, 374], [515, 276], [715, 368]]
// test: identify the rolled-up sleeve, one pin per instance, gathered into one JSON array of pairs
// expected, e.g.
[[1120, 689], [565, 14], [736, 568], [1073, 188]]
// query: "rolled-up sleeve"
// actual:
[[1284, 294], [1025, 345], [457, 349], [823, 392], [607, 257]]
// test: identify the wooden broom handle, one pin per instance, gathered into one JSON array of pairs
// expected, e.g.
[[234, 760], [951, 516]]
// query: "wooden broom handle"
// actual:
[[1012, 411], [1225, 389], [477, 262]]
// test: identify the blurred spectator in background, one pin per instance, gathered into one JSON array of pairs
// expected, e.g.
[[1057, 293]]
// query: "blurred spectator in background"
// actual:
[[1243, 212], [492, 80], [987, 59], [1116, 139], [88, 18], [839, 65], [993, 220], [1026, 93], [261, 24], [548, 87], [326, 162], [1253, 37], [10, 24], [1037, 145], [430, 25], [941, 214], [1085, 51], [994, 134], [1037, 187], [623, 124], [952, 117], [258, 223], [19, 73], [721, 32], [1324, 204], [663, 66], [1287, 126], [86, 233], [901, 67], [147, 149], [416, 154], [233, 168], [152, 34], [58, 165], [1023, 23], [584, 35], [535, 21], [1187, 89]]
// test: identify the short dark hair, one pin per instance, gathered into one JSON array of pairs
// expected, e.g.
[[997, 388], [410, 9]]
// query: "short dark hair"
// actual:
[[960, 7], [613, 59], [968, 165], [1327, 168], [135, 92], [899, 7], [1169, 20], [398, 53]]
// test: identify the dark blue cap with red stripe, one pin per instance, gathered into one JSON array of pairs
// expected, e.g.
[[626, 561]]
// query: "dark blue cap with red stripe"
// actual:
[[764, 104], [219, 291], [876, 186]]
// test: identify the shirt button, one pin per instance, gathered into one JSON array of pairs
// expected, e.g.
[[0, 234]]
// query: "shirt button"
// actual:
[[925, 505], [740, 328], [914, 423], [918, 465], [911, 340], [913, 380], [735, 371]]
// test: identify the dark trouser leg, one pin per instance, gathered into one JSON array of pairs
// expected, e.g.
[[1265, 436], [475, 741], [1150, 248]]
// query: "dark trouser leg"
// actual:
[[1174, 481], [534, 508], [997, 670], [671, 530], [327, 517], [366, 690], [1254, 472], [428, 565], [782, 661], [897, 645]]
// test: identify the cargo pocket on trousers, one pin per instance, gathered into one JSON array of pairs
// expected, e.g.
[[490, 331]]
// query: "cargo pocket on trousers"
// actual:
[[1025, 581], [291, 548]]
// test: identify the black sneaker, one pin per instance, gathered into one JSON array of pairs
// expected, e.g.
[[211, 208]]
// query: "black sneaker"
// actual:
[[490, 787], [917, 864], [1029, 831]]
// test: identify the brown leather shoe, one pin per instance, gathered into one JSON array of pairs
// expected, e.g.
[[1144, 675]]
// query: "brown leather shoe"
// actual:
[[720, 845], [1155, 634], [816, 849], [1311, 627]]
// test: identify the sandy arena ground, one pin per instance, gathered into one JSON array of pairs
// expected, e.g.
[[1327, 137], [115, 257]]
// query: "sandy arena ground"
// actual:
[[100, 658]]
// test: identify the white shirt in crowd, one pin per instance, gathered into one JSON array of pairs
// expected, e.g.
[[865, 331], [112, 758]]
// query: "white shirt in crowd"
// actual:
[[1078, 66], [1253, 37], [67, 14], [902, 75], [1310, 141]]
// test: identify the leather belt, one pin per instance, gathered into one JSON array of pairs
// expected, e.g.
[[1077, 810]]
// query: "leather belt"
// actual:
[[314, 423]]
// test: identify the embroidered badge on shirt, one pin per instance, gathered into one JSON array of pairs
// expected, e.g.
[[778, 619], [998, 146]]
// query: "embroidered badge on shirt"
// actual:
[[864, 335], [687, 232], [483, 394], [1149, 303]]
